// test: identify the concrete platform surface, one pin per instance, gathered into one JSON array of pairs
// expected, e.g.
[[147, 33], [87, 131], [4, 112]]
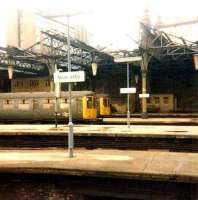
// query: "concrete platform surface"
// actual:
[[152, 120], [103, 130], [170, 114], [148, 165]]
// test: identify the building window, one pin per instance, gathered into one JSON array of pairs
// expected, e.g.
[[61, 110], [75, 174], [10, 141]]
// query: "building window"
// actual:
[[18, 84], [148, 100], [34, 83], [47, 83], [165, 100], [156, 100]]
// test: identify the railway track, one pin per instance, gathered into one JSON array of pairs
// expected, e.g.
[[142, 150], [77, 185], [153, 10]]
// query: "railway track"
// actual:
[[93, 142]]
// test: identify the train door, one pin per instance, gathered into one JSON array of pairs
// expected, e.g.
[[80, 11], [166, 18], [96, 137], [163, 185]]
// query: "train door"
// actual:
[[89, 107], [24, 108], [104, 106], [35, 104], [37, 112], [167, 103]]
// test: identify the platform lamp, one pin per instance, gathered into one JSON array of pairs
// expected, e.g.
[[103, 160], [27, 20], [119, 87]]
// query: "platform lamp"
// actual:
[[10, 72], [11, 63], [94, 67], [195, 57], [10, 68], [136, 78]]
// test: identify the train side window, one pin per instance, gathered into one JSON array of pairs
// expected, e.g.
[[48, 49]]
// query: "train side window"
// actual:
[[89, 102], [156, 100], [23, 101], [63, 100], [49, 101], [7, 101], [94, 102], [165, 100], [106, 102]]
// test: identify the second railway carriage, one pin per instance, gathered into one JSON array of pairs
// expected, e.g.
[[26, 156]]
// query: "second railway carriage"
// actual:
[[103, 105], [41, 106]]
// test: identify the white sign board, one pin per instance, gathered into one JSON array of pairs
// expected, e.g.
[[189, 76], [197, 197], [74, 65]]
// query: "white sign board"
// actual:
[[128, 59], [69, 77], [127, 90], [144, 95]]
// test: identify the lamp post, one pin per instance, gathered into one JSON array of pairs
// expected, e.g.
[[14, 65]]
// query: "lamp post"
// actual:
[[128, 98], [128, 90], [70, 124]]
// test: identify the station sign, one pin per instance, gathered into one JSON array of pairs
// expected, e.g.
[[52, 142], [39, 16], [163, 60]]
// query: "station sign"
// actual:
[[69, 77], [144, 95], [128, 59], [127, 90]]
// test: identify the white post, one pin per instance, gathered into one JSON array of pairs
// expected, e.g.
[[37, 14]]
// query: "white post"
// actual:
[[128, 98], [70, 124]]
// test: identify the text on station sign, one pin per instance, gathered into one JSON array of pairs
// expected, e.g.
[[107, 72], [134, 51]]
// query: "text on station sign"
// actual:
[[69, 77], [144, 95], [127, 90]]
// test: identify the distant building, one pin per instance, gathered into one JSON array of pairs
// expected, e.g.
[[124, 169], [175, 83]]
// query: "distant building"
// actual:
[[81, 33], [24, 29], [30, 85], [21, 30], [187, 29]]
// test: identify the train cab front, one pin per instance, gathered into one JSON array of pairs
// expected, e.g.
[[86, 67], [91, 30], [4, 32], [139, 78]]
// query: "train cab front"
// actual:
[[104, 107], [89, 108]]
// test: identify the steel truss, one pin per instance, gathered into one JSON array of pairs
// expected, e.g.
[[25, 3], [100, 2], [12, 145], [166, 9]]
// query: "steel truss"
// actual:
[[160, 44], [53, 49], [22, 61]]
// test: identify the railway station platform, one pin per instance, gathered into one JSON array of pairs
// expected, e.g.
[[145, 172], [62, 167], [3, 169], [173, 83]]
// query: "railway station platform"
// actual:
[[137, 137], [153, 120], [160, 115], [102, 130], [141, 165]]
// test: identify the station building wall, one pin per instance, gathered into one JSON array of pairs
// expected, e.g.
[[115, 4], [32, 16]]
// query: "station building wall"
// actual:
[[183, 84], [30, 85], [110, 83]]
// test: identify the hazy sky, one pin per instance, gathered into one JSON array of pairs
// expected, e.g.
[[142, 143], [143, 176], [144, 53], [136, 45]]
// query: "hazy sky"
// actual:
[[108, 21]]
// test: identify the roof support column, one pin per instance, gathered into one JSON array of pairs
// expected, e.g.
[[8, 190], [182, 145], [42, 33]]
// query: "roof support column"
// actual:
[[144, 72], [144, 91]]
